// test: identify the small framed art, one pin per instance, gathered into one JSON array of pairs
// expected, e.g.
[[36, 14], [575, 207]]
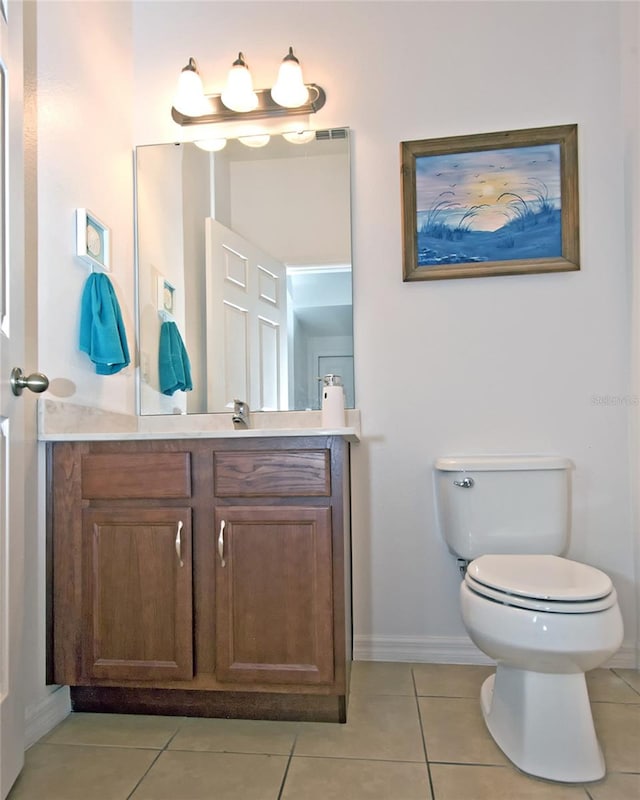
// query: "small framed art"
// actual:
[[166, 298], [93, 240]]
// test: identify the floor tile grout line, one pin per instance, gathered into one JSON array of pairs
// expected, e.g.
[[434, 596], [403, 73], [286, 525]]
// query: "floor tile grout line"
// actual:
[[286, 769], [356, 758], [624, 680], [144, 775], [615, 702], [102, 744], [424, 741], [170, 739]]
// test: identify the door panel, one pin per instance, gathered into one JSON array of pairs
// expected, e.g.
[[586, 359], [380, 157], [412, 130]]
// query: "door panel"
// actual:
[[274, 589], [247, 310], [138, 588]]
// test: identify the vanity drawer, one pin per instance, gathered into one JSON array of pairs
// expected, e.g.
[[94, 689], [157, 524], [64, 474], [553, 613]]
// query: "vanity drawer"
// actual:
[[291, 473], [121, 476]]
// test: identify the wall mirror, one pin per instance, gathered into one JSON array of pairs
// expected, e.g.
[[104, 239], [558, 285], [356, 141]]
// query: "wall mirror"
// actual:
[[246, 253]]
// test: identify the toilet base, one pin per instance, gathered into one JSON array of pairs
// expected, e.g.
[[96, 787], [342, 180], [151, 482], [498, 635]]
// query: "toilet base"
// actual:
[[542, 722]]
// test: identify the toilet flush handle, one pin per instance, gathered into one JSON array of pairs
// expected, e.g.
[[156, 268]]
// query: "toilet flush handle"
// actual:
[[465, 483]]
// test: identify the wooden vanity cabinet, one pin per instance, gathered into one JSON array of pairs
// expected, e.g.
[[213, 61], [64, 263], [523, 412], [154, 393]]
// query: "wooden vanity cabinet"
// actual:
[[202, 576]]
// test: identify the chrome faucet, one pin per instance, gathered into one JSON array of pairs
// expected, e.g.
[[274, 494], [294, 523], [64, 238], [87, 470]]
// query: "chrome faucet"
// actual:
[[240, 416]]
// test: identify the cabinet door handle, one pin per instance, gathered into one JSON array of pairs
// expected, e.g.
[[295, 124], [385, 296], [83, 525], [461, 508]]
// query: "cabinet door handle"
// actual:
[[179, 544], [221, 543]]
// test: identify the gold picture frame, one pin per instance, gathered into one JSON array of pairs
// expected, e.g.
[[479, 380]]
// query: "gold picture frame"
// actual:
[[502, 203]]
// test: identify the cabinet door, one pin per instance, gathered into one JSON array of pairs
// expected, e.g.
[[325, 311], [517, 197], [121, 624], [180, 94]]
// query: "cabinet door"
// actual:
[[137, 590], [274, 595]]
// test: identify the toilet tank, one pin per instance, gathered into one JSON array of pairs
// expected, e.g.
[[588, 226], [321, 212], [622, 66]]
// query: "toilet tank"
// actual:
[[506, 504]]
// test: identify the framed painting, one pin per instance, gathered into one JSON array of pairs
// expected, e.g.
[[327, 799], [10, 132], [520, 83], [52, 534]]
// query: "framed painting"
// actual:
[[490, 204]]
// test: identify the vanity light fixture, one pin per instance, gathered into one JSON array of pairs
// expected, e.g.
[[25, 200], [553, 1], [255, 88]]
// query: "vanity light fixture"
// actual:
[[239, 101]]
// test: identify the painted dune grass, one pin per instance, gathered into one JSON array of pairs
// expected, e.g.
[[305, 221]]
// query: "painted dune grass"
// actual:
[[489, 205]]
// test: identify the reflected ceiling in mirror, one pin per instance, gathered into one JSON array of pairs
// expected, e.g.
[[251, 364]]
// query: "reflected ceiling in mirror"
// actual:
[[243, 273]]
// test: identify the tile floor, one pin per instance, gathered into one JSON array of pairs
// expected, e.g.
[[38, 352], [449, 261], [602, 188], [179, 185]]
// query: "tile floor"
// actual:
[[415, 732]]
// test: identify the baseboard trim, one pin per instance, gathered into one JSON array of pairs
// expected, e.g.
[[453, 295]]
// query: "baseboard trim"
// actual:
[[419, 649], [44, 715], [448, 650], [625, 658]]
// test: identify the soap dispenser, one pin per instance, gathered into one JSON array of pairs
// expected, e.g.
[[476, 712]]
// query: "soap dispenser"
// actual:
[[332, 402]]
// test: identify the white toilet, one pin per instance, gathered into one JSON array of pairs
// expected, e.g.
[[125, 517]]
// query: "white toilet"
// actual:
[[545, 620]]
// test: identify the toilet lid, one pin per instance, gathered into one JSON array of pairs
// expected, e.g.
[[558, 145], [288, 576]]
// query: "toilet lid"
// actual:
[[548, 606], [540, 577]]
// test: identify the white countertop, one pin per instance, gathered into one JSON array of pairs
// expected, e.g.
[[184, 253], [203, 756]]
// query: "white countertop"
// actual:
[[68, 422]]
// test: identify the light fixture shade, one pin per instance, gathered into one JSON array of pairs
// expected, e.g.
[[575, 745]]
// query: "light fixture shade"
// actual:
[[238, 94], [289, 90], [259, 140], [299, 137], [211, 145], [190, 98]]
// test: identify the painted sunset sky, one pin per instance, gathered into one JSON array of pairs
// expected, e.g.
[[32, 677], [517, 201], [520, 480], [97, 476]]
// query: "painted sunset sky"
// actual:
[[485, 187]]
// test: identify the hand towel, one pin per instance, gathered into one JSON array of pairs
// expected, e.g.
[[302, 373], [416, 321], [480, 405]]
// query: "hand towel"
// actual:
[[102, 333], [174, 367]]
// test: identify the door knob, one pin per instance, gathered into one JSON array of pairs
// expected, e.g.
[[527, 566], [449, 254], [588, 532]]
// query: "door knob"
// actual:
[[36, 382]]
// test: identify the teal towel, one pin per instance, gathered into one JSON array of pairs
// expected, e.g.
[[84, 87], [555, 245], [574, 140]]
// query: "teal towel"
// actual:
[[174, 367], [102, 333]]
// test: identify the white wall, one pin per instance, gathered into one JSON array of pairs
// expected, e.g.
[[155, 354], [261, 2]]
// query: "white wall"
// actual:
[[84, 161], [630, 33], [79, 153], [487, 365]]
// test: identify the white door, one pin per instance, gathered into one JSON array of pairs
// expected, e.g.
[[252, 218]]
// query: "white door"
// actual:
[[12, 445], [246, 323]]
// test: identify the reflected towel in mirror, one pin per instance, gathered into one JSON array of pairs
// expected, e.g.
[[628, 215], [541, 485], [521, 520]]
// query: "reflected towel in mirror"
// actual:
[[102, 333], [174, 367]]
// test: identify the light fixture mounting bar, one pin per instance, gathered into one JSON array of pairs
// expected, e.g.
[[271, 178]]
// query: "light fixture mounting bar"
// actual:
[[266, 107]]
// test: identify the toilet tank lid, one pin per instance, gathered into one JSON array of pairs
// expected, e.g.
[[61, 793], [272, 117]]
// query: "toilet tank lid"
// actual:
[[496, 463]]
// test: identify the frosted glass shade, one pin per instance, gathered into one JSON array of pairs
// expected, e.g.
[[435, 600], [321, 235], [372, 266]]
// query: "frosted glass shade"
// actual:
[[189, 98], [211, 145], [255, 141], [299, 137], [289, 90], [238, 94]]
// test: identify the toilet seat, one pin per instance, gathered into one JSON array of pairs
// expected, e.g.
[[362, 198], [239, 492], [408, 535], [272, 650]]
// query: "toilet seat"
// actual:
[[541, 583], [552, 606]]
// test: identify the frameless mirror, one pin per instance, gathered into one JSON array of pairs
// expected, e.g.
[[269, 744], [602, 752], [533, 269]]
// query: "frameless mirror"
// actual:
[[245, 253]]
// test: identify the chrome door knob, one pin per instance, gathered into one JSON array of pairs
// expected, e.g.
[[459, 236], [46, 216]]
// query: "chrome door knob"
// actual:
[[36, 382]]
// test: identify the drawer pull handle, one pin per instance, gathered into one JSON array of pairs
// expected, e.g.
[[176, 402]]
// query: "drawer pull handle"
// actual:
[[221, 543], [179, 544]]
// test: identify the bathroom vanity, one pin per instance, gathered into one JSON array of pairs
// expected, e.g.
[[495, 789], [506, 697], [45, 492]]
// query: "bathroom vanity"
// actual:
[[203, 576]]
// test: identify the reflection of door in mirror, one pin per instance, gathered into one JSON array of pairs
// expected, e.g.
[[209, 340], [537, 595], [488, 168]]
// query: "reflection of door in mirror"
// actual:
[[246, 323]]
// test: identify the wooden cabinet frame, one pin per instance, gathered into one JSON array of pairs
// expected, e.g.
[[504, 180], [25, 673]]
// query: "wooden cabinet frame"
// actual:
[[301, 481]]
